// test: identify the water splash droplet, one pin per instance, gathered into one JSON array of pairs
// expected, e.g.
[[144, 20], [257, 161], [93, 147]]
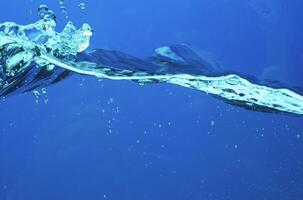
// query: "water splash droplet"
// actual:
[[45, 13]]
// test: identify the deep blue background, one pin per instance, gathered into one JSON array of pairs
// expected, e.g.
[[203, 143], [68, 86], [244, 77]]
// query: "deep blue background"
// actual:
[[116, 140]]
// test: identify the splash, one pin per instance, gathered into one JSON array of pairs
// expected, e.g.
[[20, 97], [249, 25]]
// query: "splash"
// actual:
[[34, 42], [36, 55]]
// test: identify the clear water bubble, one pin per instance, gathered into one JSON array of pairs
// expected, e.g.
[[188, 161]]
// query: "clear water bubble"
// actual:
[[82, 6], [43, 90]]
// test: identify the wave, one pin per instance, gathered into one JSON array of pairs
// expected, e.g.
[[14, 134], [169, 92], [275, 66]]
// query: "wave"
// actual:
[[35, 55]]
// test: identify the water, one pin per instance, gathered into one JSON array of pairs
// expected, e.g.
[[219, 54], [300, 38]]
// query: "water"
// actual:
[[123, 140], [27, 60]]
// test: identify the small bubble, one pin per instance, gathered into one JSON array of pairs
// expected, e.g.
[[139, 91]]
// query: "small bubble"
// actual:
[[36, 94], [212, 123], [43, 90], [298, 136], [82, 6], [110, 101], [63, 9]]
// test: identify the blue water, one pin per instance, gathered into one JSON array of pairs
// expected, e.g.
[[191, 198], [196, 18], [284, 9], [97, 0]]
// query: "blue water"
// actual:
[[89, 140]]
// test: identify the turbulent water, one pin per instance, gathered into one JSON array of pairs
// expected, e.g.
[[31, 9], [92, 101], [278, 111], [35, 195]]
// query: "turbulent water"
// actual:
[[35, 55]]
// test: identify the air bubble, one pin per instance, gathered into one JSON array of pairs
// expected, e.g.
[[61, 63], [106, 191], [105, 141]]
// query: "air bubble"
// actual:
[[82, 6], [43, 90], [63, 9], [37, 95]]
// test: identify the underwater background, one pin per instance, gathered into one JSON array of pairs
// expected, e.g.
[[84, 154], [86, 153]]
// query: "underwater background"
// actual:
[[89, 139]]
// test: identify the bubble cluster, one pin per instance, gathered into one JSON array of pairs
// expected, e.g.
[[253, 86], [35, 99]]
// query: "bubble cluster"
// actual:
[[63, 8], [39, 94]]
